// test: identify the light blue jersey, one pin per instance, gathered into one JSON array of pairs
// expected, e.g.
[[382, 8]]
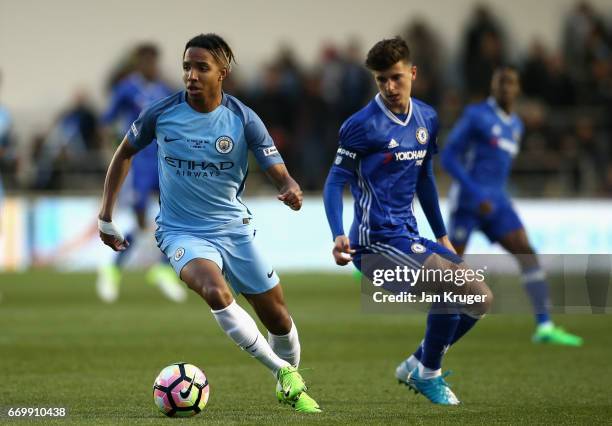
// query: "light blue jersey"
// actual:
[[203, 161], [5, 127], [203, 164]]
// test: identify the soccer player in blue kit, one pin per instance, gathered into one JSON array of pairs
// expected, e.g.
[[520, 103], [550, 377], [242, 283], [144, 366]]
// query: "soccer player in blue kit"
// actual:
[[478, 154], [203, 137], [385, 155], [129, 97]]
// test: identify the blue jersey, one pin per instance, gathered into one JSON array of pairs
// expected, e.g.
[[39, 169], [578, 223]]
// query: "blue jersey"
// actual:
[[479, 152], [386, 155], [202, 161], [129, 97]]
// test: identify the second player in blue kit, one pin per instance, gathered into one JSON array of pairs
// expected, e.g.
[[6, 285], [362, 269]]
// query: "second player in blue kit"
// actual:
[[478, 154], [385, 155]]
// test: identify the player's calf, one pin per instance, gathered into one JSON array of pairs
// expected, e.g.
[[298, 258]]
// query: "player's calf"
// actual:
[[282, 332]]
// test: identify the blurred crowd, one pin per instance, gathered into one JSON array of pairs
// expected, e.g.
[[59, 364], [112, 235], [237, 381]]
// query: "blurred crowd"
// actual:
[[566, 106]]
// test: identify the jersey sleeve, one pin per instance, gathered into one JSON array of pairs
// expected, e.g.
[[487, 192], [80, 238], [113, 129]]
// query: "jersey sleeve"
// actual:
[[351, 145], [457, 144], [142, 131], [260, 142], [434, 126]]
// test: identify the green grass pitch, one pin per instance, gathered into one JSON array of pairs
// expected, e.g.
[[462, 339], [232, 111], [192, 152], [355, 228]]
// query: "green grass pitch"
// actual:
[[61, 347]]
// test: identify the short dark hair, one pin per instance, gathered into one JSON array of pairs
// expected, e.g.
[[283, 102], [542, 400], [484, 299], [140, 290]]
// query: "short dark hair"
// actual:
[[507, 66], [216, 46], [145, 49], [386, 53]]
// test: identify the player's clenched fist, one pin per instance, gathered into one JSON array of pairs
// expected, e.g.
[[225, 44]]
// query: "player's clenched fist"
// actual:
[[342, 250], [112, 236], [292, 197]]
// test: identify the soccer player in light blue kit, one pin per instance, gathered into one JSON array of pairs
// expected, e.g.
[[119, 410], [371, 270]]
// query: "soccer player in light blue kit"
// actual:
[[130, 96], [203, 137], [385, 155], [478, 154], [5, 129]]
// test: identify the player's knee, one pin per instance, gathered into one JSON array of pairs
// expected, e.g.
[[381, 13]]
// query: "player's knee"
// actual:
[[483, 301], [217, 296]]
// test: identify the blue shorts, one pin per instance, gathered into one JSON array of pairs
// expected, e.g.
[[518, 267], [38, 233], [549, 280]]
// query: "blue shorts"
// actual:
[[144, 177], [495, 226], [404, 250], [236, 255]]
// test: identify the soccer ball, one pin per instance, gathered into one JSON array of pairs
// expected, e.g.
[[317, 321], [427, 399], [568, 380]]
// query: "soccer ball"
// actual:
[[181, 390]]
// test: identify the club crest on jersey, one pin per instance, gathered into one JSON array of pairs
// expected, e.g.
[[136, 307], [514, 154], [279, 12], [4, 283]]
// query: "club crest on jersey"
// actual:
[[422, 135], [417, 248], [180, 252], [224, 144]]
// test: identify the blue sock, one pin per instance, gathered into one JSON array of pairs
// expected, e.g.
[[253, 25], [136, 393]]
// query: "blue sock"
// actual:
[[466, 323], [122, 255], [418, 354], [438, 337], [534, 282]]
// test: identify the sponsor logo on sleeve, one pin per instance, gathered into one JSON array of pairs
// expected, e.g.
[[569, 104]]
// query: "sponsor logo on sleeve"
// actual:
[[134, 129], [347, 153], [271, 150]]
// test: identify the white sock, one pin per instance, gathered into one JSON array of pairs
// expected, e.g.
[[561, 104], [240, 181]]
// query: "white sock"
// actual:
[[240, 327], [287, 346], [411, 363], [428, 373], [546, 325]]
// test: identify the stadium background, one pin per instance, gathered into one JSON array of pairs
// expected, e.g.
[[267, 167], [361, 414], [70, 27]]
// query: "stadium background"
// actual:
[[299, 67]]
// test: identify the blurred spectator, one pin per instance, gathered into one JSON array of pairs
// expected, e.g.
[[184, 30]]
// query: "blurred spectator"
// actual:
[[331, 74], [593, 148], [72, 147], [7, 157], [484, 50], [290, 74], [356, 85], [427, 54], [534, 75], [579, 25], [276, 109], [545, 77], [316, 137], [559, 88]]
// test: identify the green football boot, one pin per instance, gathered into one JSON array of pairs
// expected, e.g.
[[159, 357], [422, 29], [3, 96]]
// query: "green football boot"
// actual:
[[290, 382], [554, 335], [305, 404]]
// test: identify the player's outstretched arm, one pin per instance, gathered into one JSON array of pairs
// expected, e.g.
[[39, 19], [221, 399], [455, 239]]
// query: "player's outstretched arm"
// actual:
[[428, 197], [115, 175], [290, 192], [332, 198]]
